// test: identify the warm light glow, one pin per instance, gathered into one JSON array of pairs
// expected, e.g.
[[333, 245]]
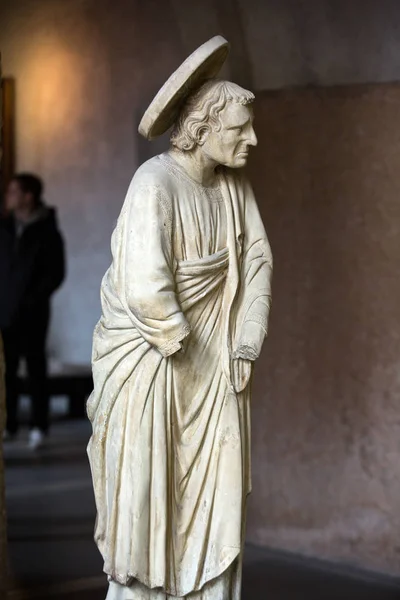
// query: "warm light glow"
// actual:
[[53, 90]]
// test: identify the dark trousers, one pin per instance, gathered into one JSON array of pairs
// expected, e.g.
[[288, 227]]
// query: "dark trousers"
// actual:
[[27, 340]]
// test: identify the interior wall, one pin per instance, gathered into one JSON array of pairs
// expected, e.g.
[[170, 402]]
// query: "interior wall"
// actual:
[[325, 428], [85, 71], [80, 74], [326, 423], [321, 42]]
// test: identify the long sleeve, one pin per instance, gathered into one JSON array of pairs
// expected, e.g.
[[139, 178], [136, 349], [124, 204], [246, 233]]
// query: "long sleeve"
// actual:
[[254, 299], [144, 263], [51, 273], [54, 267]]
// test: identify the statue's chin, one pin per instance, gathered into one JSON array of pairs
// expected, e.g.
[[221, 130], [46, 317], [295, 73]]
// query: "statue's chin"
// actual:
[[236, 162], [239, 161]]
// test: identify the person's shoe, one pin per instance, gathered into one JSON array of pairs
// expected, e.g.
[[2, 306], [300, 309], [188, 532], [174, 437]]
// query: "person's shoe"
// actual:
[[36, 439], [8, 436]]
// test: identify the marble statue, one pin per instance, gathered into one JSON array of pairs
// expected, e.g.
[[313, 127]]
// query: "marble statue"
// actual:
[[185, 308]]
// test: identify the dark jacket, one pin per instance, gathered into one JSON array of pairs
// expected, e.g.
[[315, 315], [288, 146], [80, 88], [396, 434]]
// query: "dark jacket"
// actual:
[[31, 266]]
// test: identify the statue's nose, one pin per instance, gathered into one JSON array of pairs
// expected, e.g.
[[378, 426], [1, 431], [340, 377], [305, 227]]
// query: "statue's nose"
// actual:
[[253, 138]]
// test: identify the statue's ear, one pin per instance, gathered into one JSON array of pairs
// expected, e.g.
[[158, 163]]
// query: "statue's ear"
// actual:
[[202, 134]]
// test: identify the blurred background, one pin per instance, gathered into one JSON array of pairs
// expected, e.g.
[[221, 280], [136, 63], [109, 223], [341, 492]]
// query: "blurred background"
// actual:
[[77, 76]]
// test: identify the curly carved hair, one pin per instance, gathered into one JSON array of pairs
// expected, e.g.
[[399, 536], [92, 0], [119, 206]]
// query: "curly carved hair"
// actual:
[[202, 109]]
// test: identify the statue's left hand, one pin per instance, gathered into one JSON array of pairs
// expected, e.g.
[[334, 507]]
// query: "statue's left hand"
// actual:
[[242, 369]]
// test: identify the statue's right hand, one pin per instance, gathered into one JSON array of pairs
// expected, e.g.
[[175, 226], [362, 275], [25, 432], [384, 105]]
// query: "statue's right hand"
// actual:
[[242, 370]]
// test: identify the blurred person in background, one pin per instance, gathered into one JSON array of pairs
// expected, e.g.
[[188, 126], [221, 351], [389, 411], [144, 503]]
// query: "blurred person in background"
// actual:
[[31, 269]]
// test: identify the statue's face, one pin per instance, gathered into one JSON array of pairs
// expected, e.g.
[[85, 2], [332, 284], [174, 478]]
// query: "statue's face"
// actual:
[[230, 145]]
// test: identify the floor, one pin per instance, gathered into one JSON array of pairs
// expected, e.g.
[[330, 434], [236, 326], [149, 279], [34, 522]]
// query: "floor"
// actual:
[[52, 555]]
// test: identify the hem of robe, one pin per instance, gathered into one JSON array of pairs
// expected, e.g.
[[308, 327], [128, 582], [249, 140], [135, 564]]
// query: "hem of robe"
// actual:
[[130, 578], [235, 587], [127, 579]]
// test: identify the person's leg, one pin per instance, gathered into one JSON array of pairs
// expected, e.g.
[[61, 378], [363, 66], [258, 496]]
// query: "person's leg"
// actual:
[[36, 362], [11, 358]]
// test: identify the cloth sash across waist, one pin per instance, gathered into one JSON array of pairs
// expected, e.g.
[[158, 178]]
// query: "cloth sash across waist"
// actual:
[[197, 278]]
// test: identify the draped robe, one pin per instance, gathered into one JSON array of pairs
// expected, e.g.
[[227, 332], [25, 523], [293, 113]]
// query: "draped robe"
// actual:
[[189, 286]]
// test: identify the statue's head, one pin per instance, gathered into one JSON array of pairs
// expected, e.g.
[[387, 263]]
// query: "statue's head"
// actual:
[[217, 119]]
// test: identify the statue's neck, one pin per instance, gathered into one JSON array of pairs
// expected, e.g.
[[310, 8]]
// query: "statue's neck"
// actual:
[[197, 165]]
